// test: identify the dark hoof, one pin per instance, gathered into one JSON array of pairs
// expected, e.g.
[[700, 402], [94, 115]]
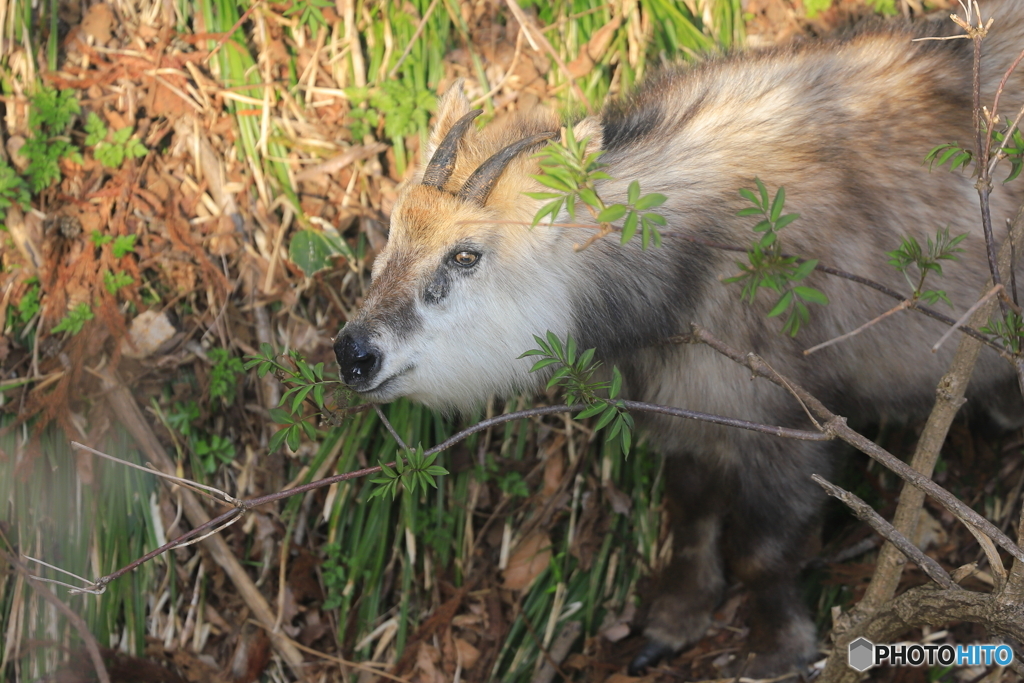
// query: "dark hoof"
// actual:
[[652, 653]]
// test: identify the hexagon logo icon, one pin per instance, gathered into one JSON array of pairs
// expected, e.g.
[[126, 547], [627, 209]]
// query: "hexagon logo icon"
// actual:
[[862, 654]]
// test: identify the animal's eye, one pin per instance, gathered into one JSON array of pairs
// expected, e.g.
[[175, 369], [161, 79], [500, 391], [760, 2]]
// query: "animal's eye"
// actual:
[[466, 258]]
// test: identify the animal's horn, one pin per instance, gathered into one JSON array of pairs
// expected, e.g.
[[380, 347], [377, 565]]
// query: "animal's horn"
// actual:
[[480, 184], [441, 165]]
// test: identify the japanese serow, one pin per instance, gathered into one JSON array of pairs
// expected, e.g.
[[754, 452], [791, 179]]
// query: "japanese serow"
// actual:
[[844, 124]]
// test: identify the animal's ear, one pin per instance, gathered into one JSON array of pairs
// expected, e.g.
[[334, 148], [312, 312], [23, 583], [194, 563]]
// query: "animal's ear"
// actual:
[[590, 128], [452, 106]]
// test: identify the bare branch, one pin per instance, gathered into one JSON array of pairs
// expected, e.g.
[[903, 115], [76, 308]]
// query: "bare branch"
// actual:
[[387, 423], [867, 514], [91, 646], [966, 316], [187, 483], [837, 426], [843, 337]]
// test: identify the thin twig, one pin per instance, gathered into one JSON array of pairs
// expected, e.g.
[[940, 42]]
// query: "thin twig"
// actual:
[[394, 433], [843, 337], [91, 646], [837, 425], [187, 483], [967, 316], [241, 506], [74, 589], [995, 106], [783, 432], [867, 514]]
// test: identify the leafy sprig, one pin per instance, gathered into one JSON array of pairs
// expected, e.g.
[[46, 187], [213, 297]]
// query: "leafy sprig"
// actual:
[[51, 114], [951, 153], [1013, 151], [572, 172], [75, 320], [575, 373], [115, 281], [911, 255], [417, 471], [224, 375], [1009, 331], [111, 153], [960, 157], [13, 190], [767, 267], [305, 382]]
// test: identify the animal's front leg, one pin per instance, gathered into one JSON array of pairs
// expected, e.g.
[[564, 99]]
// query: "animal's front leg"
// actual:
[[691, 587], [771, 529]]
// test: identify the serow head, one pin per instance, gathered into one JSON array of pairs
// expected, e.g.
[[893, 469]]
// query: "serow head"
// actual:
[[464, 283]]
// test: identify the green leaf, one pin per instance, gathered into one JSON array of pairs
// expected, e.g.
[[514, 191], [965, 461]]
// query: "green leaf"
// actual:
[[612, 213], [780, 201], [589, 197], [752, 198], [763, 192], [95, 128], [310, 251], [650, 201], [629, 227], [585, 358], [782, 305], [550, 209], [613, 391], [553, 182], [277, 439], [300, 396], [293, 437], [786, 220], [605, 418], [633, 193], [804, 269], [541, 364], [592, 410], [121, 136], [962, 160], [626, 440], [558, 375], [814, 296]]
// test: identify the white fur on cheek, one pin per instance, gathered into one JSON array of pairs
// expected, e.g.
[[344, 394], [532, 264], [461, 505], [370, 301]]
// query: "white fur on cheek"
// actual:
[[470, 343]]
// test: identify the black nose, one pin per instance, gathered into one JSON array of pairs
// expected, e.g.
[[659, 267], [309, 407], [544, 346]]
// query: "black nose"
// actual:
[[358, 357]]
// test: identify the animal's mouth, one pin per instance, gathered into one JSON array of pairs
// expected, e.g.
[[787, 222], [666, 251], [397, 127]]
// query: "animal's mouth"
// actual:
[[381, 392]]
